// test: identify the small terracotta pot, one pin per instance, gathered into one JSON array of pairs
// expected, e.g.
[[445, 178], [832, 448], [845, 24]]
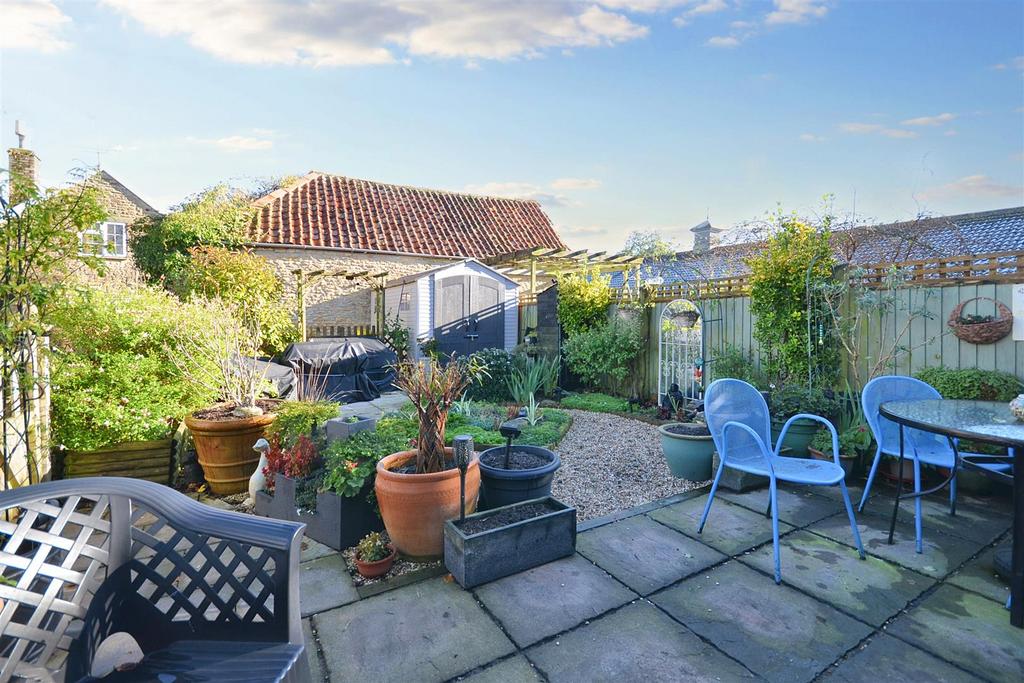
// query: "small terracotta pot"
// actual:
[[371, 570], [416, 506], [224, 448]]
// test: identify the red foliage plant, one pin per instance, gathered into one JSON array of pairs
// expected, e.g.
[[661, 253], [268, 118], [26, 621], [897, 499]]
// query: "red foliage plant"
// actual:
[[295, 462]]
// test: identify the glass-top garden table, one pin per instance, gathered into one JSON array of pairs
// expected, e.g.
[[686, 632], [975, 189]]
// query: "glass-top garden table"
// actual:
[[983, 421]]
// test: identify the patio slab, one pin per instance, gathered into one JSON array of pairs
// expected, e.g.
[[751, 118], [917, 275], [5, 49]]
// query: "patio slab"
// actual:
[[942, 553], [551, 598], [513, 670], [781, 634], [798, 507], [979, 575], [887, 659], [872, 590], [968, 629], [324, 583], [972, 521], [313, 550], [644, 554], [315, 668], [730, 528], [635, 643], [430, 631]]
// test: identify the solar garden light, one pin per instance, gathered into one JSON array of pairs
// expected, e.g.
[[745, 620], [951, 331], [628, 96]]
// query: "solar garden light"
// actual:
[[462, 447], [510, 430]]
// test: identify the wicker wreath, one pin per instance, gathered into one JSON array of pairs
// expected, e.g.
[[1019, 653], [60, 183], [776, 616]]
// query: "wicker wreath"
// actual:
[[981, 333]]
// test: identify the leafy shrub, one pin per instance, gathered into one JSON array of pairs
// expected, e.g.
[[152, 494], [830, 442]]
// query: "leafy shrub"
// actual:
[[114, 377], [298, 418], [598, 403], [972, 384], [372, 548], [733, 362], [239, 277], [794, 398], [216, 217], [352, 463], [583, 301], [494, 385], [295, 461], [853, 441], [604, 353]]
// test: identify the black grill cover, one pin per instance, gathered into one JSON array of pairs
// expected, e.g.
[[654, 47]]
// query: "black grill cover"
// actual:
[[358, 368]]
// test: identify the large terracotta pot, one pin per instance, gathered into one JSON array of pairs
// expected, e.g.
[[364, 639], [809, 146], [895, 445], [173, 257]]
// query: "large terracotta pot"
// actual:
[[225, 450], [416, 506]]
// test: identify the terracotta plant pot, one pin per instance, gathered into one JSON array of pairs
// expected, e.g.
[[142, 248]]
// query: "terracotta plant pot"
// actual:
[[371, 570], [225, 450], [416, 506]]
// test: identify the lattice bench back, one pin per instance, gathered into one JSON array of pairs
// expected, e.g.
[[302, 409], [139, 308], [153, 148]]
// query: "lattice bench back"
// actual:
[[85, 558]]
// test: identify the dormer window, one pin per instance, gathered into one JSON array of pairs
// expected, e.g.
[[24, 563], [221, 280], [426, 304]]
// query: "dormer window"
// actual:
[[105, 239]]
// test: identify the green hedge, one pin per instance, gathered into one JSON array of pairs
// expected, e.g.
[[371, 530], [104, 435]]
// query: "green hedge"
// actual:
[[972, 384]]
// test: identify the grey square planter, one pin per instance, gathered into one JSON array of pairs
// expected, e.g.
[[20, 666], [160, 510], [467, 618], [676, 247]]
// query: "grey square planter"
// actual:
[[337, 429], [338, 522], [479, 558]]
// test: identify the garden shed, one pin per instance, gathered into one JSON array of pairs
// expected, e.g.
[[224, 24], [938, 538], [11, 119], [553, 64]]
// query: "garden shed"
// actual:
[[463, 307]]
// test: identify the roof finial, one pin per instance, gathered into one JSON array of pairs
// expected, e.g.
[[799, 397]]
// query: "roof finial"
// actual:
[[19, 133]]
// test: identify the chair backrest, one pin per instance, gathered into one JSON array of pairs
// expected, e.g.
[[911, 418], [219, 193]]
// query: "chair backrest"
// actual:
[[733, 400], [886, 432], [98, 555]]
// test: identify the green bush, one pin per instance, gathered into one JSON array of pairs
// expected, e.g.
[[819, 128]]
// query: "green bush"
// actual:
[[972, 384], [598, 403], [298, 418], [605, 353], [113, 374], [492, 386], [794, 398], [583, 301], [351, 463], [733, 362]]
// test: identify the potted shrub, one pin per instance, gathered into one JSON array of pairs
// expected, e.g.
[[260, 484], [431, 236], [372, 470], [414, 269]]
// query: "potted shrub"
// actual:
[[688, 448], [792, 400], [511, 474], [418, 490], [374, 557], [221, 356], [852, 442], [507, 540]]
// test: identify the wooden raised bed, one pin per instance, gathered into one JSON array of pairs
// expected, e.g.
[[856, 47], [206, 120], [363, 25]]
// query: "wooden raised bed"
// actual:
[[149, 460]]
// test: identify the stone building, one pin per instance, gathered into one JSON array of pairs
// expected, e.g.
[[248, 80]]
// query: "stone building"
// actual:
[[344, 226]]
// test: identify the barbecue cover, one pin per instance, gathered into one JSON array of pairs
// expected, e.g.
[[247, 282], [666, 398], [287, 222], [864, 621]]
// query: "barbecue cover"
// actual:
[[351, 368]]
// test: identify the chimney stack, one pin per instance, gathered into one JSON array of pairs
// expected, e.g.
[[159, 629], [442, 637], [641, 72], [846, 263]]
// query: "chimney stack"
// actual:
[[22, 166], [705, 236]]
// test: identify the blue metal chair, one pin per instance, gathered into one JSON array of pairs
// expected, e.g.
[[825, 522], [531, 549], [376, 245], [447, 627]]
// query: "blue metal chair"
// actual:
[[740, 426], [919, 446]]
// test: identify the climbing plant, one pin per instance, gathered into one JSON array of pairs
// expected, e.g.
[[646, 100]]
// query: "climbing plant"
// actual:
[[583, 300]]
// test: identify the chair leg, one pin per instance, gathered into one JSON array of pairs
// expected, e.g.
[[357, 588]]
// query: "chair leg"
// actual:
[[871, 479], [952, 494], [711, 497], [917, 506], [853, 520], [775, 530]]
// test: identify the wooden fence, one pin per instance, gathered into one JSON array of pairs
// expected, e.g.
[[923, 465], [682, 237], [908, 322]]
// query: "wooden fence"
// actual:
[[24, 441], [324, 330]]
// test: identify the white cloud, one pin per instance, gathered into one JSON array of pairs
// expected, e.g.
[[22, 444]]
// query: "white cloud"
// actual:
[[811, 137], [518, 190], [876, 129], [33, 25], [1015, 63], [700, 8], [722, 41], [359, 32], [937, 120], [974, 186], [239, 143], [582, 231], [796, 12], [950, 133], [575, 184]]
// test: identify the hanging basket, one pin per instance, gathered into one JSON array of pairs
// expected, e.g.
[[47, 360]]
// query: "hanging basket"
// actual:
[[981, 333]]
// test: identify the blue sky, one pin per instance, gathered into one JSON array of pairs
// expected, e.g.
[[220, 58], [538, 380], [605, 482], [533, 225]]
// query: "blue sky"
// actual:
[[616, 114]]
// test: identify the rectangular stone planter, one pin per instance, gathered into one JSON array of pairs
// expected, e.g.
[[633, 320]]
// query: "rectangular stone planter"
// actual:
[[478, 558], [149, 460], [338, 522], [337, 429]]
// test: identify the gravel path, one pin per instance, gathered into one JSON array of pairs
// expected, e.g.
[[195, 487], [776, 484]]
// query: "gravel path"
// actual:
[[612, 463]]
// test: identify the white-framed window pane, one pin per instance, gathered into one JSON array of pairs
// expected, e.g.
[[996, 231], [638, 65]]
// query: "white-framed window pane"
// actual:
[[92, 240], [114, 239], [405, 301]]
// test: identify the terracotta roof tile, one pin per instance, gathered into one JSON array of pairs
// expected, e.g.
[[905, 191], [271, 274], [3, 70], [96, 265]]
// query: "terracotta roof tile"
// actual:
[[325, 210]]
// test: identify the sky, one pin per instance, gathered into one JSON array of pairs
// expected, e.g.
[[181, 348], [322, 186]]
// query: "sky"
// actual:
[[617, 115]]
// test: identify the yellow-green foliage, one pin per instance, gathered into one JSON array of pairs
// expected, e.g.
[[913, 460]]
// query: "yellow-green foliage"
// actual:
[[778, 295], [583, 301]]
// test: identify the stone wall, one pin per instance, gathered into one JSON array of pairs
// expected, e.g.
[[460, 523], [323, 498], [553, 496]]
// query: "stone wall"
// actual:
[[121, 208], [335, 300]]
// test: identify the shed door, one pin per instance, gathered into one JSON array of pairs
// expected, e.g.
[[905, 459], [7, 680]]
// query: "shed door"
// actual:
[[469, 314]]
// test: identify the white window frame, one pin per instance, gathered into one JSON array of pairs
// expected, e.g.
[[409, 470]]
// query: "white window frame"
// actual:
[[102, 243]]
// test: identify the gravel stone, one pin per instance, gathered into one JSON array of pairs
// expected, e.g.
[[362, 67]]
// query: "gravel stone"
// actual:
[[612, 463]]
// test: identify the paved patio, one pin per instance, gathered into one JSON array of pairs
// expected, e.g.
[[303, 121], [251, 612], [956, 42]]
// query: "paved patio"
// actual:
[[646, 598]]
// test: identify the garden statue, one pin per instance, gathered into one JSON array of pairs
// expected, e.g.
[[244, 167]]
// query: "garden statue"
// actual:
[[671, 402], [258, 480], [1017, 407]]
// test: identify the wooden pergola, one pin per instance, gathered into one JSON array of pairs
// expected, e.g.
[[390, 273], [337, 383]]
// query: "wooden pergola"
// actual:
[[530, 266], [305, 279]]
